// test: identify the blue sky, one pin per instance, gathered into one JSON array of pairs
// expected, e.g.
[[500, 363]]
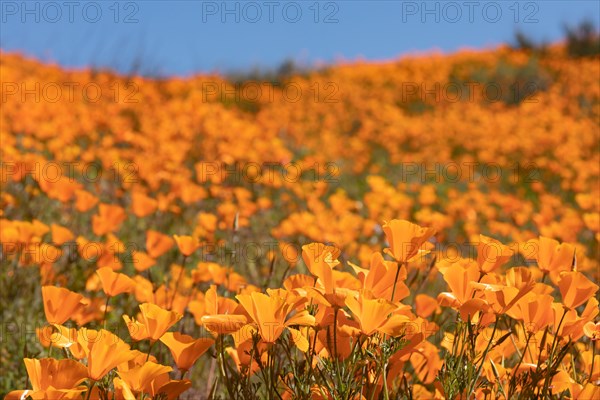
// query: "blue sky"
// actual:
[[183, 37]]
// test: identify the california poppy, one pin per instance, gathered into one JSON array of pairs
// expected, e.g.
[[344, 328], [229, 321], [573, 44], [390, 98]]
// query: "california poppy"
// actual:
[[142, 205], [60, 234], [460, 278], [405, 239], [57, 336], [380, 278], [331, 286], [122, 390], [185, 349], [501, 297], [154, 321], [491, 254], [223, 323], [140, 379], [114, 283], [53, 379], [104, 351], [142, 261], [109, 219], [84, 201], [575, 288], [187, 244], [592, 330], [551, 256], [272, 315], [534, 310], [60, 304], [157, 244], [376, 315]]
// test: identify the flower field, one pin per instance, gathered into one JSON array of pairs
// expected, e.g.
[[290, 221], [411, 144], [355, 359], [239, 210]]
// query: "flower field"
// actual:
[[421, 228]]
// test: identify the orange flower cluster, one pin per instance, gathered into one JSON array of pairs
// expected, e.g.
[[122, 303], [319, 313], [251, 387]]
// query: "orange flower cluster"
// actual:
[[330, 318], [177, 242]]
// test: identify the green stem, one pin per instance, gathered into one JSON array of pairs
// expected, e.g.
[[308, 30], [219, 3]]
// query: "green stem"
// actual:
[[546, 381], [105, 311], [150, 350], [335, 353], [221, 359], [524, 351], [90, 390], [487, 349], [396, 281], [386, 395], [515, 369], [177, 282], [593, 356]]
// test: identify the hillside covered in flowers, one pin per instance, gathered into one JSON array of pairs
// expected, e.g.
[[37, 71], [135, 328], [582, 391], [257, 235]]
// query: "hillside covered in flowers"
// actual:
[[212, 237]]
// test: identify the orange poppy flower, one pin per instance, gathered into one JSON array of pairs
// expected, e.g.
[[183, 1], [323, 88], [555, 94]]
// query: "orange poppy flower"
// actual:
[[185, 349], [155, 321], [114, 283], [535, 311], [187, 244], [142, 261], [332, 286], [272, 314], [502, 297], [551, 256], [375, 315], [379, 278], [140, 379], [142, 205], [109, 219], [84, 201], [53, 379], [60, 234], [589, 391], [60, 304], [425, 305], [405, 239], [137, 330], [58, 336], [491, 254], [93, 311], [157, 244], [317, 255], [104, 351], [214, 305], [575, 289], [223, 324], [169, 389], [460, 277], [122, 390], [592, 330]]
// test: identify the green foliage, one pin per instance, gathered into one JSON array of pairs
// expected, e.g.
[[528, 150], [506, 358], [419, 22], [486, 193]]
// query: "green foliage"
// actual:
[[504, 82], [583, 40]]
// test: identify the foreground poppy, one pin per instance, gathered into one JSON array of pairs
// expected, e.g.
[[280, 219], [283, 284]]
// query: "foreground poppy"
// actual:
[[185, 349], [376, 315], [141, 379], [103, 350], [273, 314], [53, 379]]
